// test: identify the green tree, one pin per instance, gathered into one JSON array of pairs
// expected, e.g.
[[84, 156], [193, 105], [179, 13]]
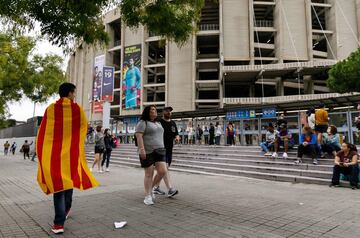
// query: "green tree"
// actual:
[[63, 21], [23, 73], [344, 77]]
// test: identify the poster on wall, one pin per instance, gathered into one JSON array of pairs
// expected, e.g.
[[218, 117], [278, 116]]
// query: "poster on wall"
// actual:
[[99, 63], [107, 93], [131, 85]]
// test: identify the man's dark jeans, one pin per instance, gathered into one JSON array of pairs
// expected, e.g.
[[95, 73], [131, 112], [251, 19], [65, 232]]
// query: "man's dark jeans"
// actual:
[[62, 204], [352, 171]]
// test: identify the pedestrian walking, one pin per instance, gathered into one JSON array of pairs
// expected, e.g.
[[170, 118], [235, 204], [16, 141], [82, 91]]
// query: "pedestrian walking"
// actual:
[[109, 144], [152, 152], [13, 148], [6, 147], [99, 149], [218, 133], [170, 134], [60, 146], [212, 134], [199, 134], [206, 135], [26, 149]]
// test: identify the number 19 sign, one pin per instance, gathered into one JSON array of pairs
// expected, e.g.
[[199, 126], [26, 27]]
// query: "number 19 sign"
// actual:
[[108, 84]]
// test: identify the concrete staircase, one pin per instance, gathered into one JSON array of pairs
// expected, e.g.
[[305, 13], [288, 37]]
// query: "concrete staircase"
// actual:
[[233, 161]]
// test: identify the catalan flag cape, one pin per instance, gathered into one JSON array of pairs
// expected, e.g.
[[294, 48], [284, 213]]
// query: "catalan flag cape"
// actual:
[[60, 148]]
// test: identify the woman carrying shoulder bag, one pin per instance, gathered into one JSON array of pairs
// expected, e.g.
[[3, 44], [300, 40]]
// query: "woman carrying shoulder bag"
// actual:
[[150, 141], [99, 149]]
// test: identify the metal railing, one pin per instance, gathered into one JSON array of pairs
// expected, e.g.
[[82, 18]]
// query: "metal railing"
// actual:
[[279, 99], [309, 64], [209, 27], [264, 23]]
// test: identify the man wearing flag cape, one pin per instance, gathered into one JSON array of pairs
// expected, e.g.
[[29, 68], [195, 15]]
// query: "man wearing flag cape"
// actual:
[[60, 146]]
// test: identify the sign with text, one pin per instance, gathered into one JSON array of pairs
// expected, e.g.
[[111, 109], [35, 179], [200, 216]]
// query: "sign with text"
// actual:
[[243, 114], [107, 93], [269, 112]]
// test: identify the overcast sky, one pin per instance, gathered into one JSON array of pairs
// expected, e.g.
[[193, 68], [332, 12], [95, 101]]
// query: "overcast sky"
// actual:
[[23, 110]]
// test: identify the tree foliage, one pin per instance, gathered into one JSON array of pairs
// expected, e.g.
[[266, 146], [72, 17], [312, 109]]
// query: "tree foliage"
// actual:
[[173, 19], [23, 73], [64, 21], [344, 77]]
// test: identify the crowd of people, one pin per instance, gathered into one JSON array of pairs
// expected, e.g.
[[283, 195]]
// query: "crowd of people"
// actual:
[[25, 149], [318, 138]]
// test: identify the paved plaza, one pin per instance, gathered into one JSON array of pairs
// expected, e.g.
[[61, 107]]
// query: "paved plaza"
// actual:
[[207, 206]]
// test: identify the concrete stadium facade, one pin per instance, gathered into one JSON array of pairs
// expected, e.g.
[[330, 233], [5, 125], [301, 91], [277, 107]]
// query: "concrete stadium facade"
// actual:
[[244, 49]]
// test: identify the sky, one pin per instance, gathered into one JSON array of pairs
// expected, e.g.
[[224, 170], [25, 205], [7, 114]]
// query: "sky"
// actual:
[[23, 110]]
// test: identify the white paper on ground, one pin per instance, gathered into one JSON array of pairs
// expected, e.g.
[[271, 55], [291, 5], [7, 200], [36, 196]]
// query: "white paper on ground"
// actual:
[[119, 225]]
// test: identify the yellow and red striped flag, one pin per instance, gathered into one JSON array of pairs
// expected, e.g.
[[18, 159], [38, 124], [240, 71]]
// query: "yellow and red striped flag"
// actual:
[[60, 148]]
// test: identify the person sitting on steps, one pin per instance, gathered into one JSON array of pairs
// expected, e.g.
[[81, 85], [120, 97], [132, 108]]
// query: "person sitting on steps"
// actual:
[[346, 162], [308, 144]]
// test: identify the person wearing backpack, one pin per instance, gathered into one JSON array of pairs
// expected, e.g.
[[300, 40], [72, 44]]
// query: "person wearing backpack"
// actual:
[[152, 153], [26, 149]]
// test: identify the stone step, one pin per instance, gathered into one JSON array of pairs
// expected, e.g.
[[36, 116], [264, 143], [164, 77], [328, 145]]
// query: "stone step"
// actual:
[[296, 171], [233, 172], [227, 156]]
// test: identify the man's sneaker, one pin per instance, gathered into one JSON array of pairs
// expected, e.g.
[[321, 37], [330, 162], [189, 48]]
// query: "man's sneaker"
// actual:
[[285, 155], [275, 155], [353, 187], [148, 200], [322, 155], [298, 161], [172, 192], [268, 154], [107, 170], [57, 229], [100, 171], [158, 191], [334, 185], [315, 161], [67, 214]]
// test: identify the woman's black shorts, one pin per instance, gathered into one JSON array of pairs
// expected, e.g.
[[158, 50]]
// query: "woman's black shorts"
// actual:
[[151, 159]]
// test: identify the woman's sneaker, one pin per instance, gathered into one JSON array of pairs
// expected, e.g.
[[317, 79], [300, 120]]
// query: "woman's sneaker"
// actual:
[[275, 155], [172, 192], [57, 229], [157, 190], [148, 200], [268, 154], [315, 162]]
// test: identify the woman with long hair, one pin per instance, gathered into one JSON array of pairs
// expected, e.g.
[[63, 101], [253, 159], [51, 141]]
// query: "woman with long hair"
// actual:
[[346, 162], [99, 149], [331, 141], [150, 141], [108, 141]]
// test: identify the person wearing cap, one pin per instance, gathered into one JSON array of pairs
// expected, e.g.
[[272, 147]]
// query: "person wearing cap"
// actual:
[[170, 134], [271, 136], [321, 124]]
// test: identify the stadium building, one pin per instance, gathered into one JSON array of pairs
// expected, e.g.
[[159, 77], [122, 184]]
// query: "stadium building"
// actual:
[[246, 52]]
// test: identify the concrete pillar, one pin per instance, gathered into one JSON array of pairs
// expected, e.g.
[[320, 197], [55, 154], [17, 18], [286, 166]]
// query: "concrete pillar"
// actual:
[[252, 90], [279, 87], [308, 85]]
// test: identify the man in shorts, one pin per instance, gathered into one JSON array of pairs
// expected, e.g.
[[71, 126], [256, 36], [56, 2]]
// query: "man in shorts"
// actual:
[[170, 133], [321, 124]]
